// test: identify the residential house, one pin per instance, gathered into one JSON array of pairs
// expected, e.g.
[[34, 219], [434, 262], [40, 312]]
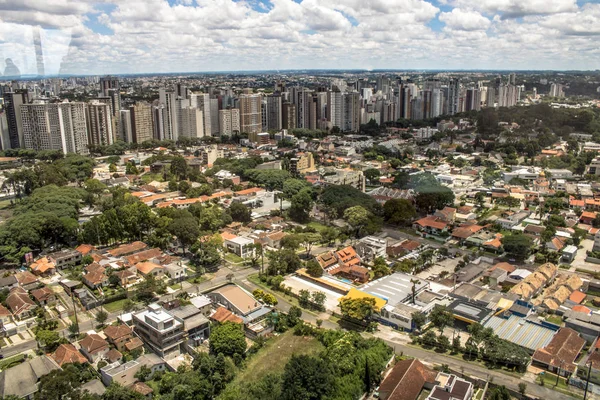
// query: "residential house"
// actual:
[[431, 226], [94, 347], [85, 249], [326, 260], [222, 314], [159, 330], [241, 246], [402, 247], [124, 374], [149, 268], [127, 276], [195, 324], [371, 247], [347, 256], [560, 354], [355, 273], [447, 214], [19, 303], [406, 380], [118, 335], [450, 386], [27, 280], [462, 233], [235, 299], [23, 379], [127, 249], [155, 255], [8, 282], [65, 258], [66, 353], [44, 296], [95, 279], [143, 389], [43, 267], [175, 271], [5, 318], [587, 217]]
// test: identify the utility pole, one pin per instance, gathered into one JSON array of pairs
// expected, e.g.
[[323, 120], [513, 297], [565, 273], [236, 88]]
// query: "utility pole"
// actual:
[[587, 381], [75, 311]]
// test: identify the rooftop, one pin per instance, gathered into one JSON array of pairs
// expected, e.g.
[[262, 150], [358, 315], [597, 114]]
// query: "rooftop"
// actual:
[[394, 288]]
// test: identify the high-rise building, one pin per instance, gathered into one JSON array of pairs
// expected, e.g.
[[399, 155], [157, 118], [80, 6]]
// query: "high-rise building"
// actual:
[[453, 101], [250, 113], [472, 99], [334, 105], [350, 112], [12, 105], [229, 121], [56, 126], [158, 122], [107, 83], [288, 118], [214, 117], [99, 124], [4, 137], [273, 113], [303, 107], [125, 127], [556, 90], [141, 122], [202, 102], [170, 123], [192, 122]]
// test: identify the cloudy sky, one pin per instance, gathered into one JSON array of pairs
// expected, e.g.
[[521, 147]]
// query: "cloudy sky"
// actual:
[[131, 36]]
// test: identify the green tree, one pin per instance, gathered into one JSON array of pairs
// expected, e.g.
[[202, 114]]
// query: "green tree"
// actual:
[[499, 393], [371, 174], [359, 309], [301, 204], [186, 230], [399, 211], [294, 314], [228, 339], [283, 262], [179, 167], [240, 212], [314, 269], [101, 317], [418, 320], [440, 317], [517, 245], [329, 235], [49, 340], [443, 343], [380, 268], [358, 217], [60, 384], [307, 378]]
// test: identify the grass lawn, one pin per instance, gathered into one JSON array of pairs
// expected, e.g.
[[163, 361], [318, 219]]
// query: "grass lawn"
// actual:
[[555, 319], [11, 361], [198, 279], [115, 305], [562, 387], [149, 177], [233, 258], [276, 353], [4, 204], [316, 226]]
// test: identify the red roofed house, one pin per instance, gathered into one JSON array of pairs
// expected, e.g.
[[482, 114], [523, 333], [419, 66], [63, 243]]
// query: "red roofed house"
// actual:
[[587, 217], [222, 315], [19, 303], [68, 354], [347, 256], [94, 347], [44, 296], [560, 354], [446, 214], [118, 335], [406, 381], [430, 225]]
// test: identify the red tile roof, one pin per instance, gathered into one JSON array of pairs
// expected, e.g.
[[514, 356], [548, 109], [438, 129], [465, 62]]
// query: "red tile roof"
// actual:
[[406, 380], [68, 354], [432, 222], [222, 314], [562, 350], [577, 297]]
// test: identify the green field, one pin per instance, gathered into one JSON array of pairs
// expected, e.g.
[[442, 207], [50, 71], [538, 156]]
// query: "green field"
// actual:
[[11, 361], [115, 305], [233, 258], [316, 226], [275, 354]]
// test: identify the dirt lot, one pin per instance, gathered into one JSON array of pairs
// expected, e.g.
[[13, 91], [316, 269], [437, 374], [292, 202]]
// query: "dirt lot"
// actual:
[[297, 284]]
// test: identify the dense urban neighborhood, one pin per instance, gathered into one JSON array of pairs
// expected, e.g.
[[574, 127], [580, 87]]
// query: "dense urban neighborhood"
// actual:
[[350, 236]]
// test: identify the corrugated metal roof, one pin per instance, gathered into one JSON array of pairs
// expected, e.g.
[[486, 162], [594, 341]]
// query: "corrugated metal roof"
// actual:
[[520, 331]]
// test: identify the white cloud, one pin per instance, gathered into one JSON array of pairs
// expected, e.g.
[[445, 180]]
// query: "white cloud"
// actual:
[[203, 35], [465, 20]]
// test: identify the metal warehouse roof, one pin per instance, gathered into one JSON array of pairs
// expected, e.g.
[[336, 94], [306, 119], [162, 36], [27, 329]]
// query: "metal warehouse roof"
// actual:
[[520, 331]]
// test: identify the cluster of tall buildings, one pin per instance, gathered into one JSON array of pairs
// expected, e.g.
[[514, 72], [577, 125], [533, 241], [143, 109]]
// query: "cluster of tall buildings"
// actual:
[[33, 121]]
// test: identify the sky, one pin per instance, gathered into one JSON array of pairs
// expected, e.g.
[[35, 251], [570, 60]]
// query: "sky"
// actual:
[[146, 36]]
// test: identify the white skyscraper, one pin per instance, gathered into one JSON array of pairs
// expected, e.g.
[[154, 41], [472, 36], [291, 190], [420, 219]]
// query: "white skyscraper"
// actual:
[[202, 102], [229, 121], [192, 122], [56, 126], [99, 123]]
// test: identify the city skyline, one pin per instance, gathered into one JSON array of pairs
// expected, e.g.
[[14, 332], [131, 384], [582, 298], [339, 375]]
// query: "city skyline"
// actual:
[[70, 37]]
